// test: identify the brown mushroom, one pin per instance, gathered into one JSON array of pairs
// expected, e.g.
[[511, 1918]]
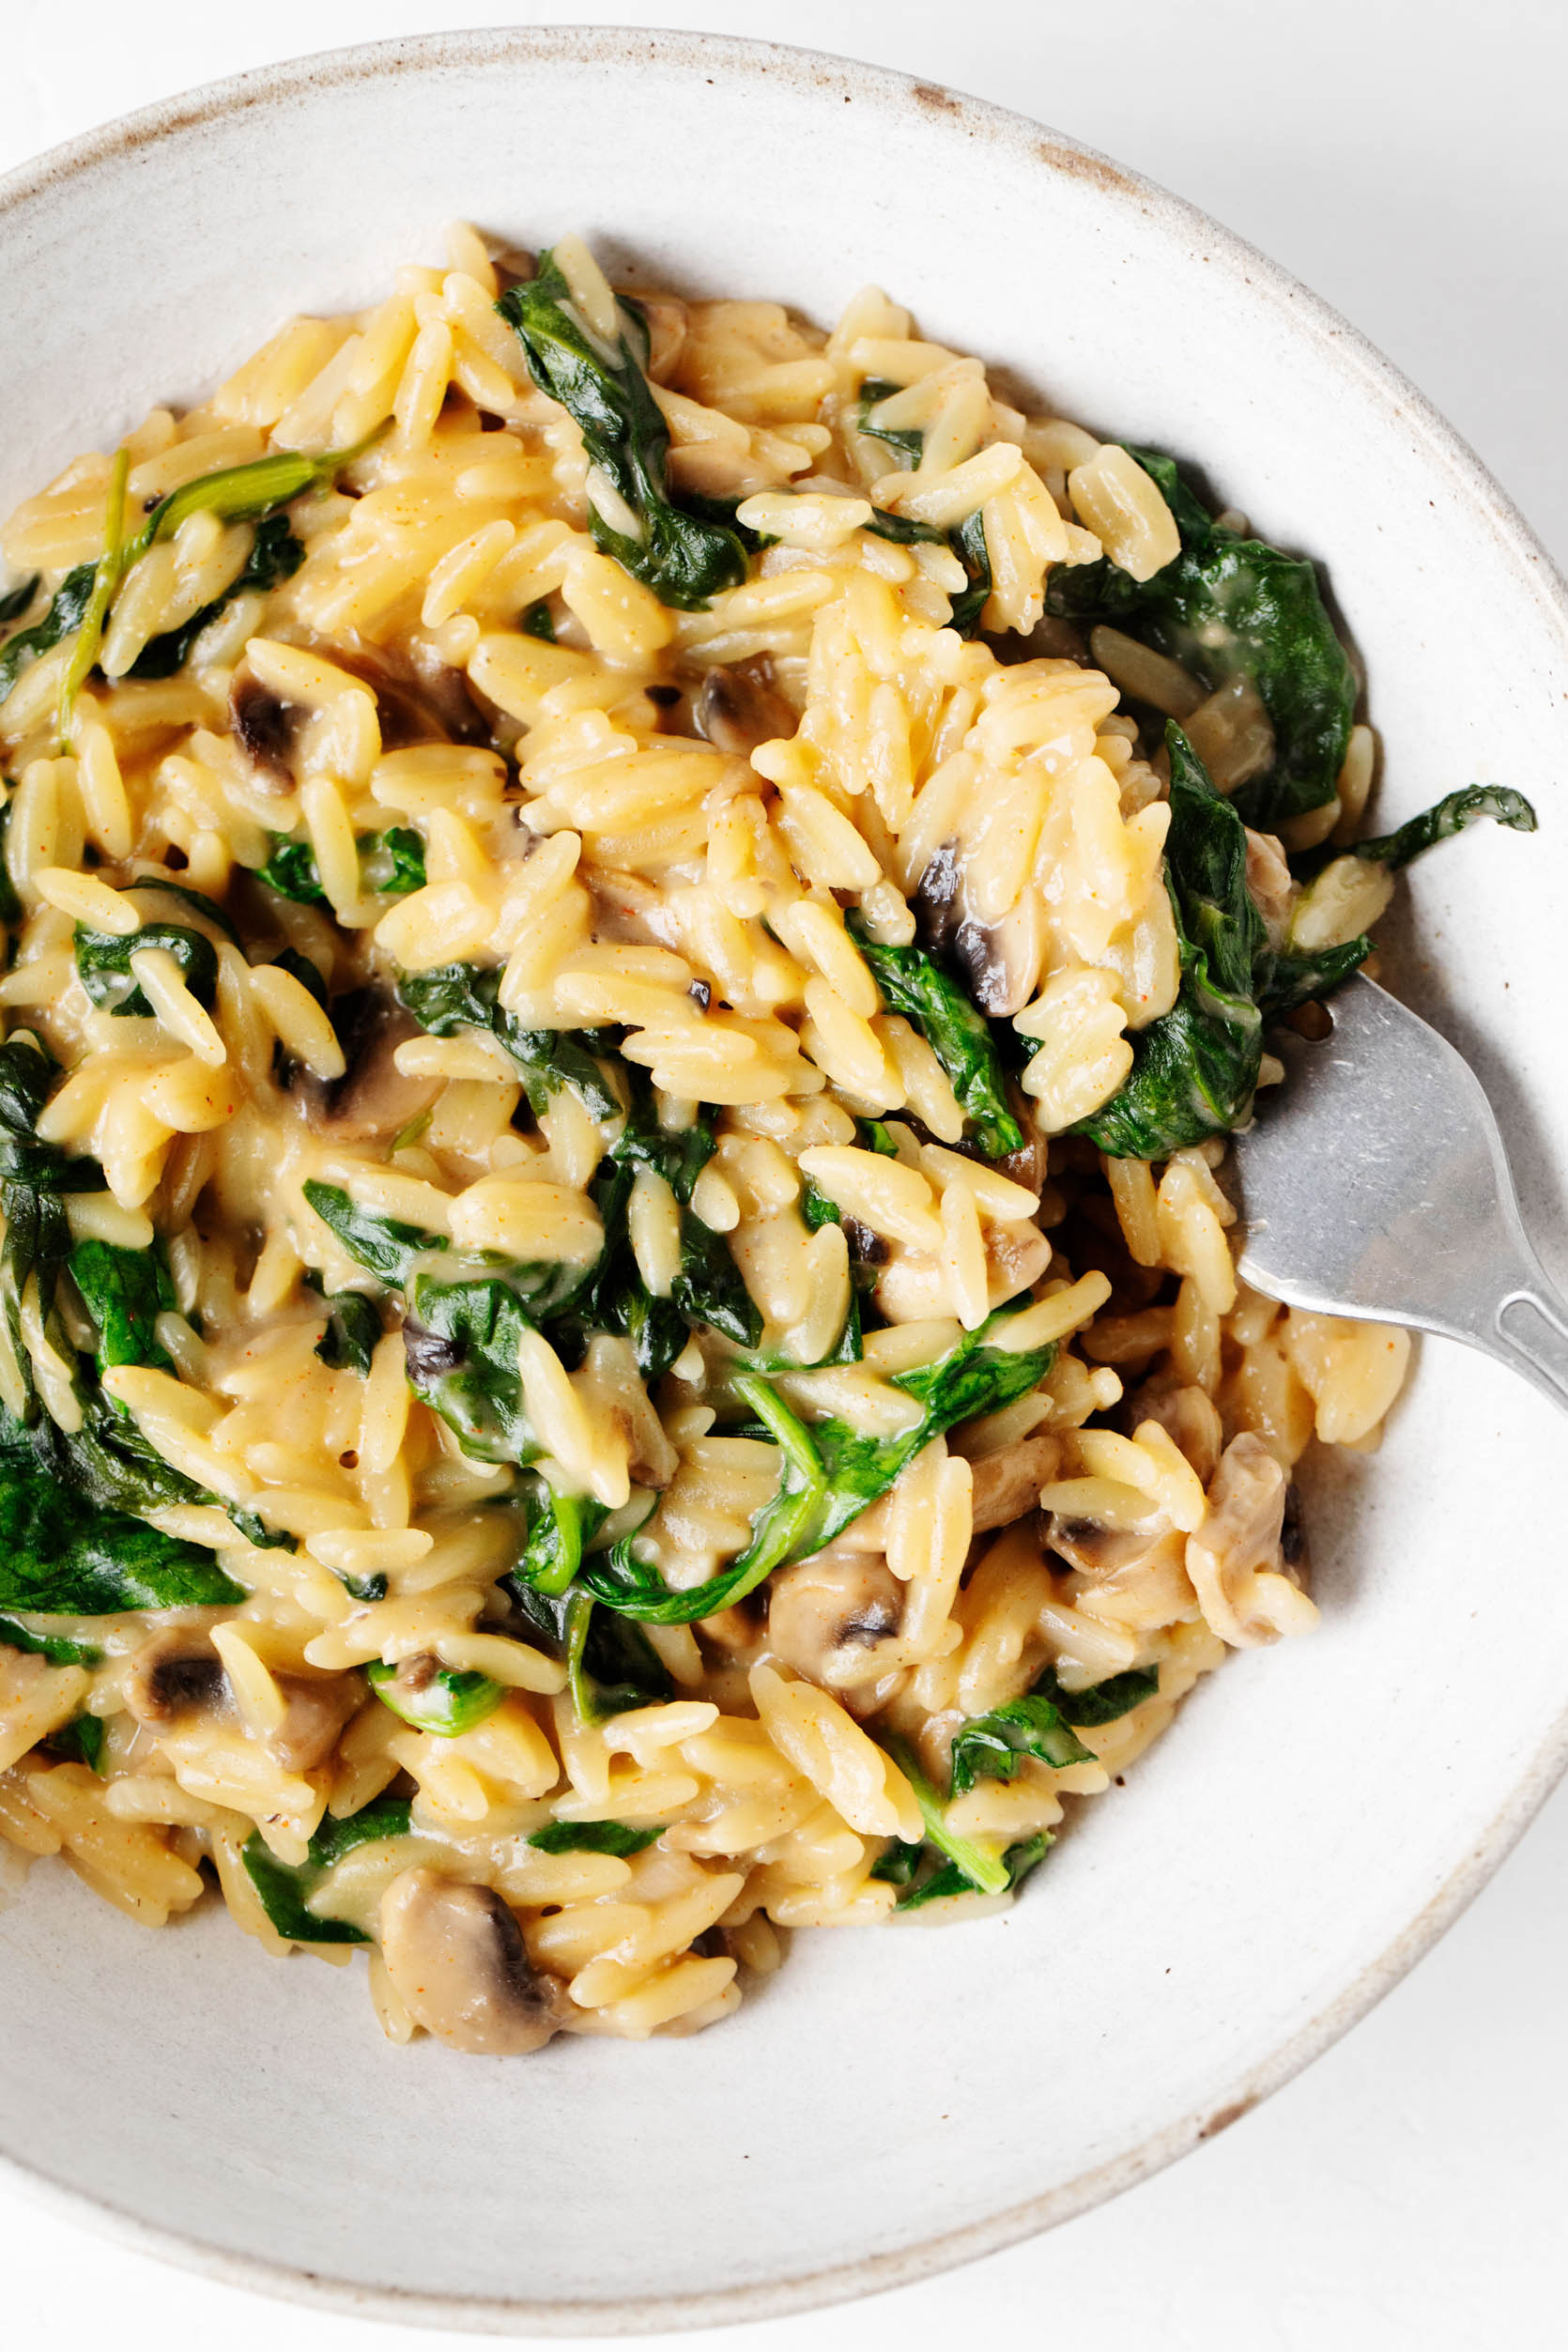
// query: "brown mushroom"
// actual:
[[827, 1618], [1268, 883], [416, 702], [317, 1709], [1240, 1547], [666, 315], [266, 727], [1100, 1551], [1189, 1416], [1007, 1485], [455, 1955], [373, 1099], [740, 707], [175, 1674]]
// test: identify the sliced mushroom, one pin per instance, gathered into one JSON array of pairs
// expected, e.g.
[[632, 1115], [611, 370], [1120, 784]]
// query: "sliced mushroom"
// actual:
[[1007, 1485], [455, 1957], [1001, 961], [740, 707], [1016, 1257], [1099, 1551], [373, 1099], [175, 1674], [266, 727], [416, 702], [666, 315], [317, 1708], [1268, 882], [827, 1617], [1190, 1417], [1247, 1590]]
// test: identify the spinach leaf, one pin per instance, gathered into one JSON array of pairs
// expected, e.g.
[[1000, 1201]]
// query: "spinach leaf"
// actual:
[[79, 1741], [125, 1291], [612, 1665], [245, 494], [1447, 817], [461, 1341], [64, 618], [54, 1647], [64, 1555], [353, 1328], [391, 863], [103, 965], [708, 1288], [385, 1246], [682, 557], [198, 900], [829, 1474], [967, 540], [301, 968], [285, 1887], [276, 555], [897, 1864], [907, 439], [558, 1526], [913, 984], [536, 620], [993, 1746], [15, 601], [953, 1879], [1194, 1070], [1228, 607], [976, 1869], [460, 996], [616, 1837], [434, 1697], [1102, 1702], [107, 574]]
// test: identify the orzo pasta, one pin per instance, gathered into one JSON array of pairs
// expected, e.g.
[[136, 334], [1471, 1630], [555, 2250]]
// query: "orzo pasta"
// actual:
[[632, 933]]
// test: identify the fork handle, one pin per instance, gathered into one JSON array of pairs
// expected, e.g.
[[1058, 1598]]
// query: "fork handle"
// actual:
[[1529, 1333]]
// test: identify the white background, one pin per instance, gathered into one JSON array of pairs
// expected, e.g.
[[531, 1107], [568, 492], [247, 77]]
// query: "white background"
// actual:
[[1408, 158]]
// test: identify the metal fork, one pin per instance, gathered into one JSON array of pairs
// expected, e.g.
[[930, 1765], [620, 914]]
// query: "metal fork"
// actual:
[[1373, 1183]]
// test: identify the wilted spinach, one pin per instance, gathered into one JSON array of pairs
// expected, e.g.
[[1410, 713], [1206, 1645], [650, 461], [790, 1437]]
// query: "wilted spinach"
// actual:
[[353, 1328], [1446, 818], [285, 1887], [828, 1474], [612, 1665], [966, 540], [385, 1246], [460, 996], [125, 1291], [445, 1699], [1229, 608], [65, 615], [915, 984], [615, 1837], [391, 863], [103, 965], [684, 559], [54, 1647], [276, 555]]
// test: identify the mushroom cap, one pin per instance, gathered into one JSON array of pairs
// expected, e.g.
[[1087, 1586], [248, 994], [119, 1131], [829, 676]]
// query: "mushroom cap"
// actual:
[[827, 1617], [454, 1954]]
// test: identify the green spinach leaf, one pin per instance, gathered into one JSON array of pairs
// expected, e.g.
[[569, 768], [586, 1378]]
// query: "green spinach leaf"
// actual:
[[614, 1837], [15, 1635], [67, 610], [391, 863], [103, 965], [434, 1697], [276, 555], [460, 996], [284, 1888], [1228, 607], [915, 984], [125, 1291], [829, 1474], [682, 557], [385, 1246], [1447, 817]]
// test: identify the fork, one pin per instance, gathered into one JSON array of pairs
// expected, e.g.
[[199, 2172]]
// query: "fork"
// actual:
[[1375, 1184]]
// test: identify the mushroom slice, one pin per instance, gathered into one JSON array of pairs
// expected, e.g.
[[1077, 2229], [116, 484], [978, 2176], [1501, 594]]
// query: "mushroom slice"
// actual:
[[1001, 961], [1007, 1485], [455, 1957], [315, 1709], [665, 316], [1189, 1416], [266, 727], [1236, 1562], [827, 1618], [416, 702], [373, 1099], [175, 1674], [1099, 1551], [739, 707]]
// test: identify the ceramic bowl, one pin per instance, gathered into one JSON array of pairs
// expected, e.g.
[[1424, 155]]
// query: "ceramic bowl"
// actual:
[[896, 2100]]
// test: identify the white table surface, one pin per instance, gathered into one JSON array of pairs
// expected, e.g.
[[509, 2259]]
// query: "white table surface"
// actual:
[[1408, 158]]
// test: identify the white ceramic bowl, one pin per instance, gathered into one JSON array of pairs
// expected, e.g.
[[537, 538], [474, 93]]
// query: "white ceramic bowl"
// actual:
[[1320, 1812]]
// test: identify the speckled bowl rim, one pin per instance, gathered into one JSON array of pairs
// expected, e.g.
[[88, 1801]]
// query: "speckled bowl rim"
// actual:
[[994, 128]]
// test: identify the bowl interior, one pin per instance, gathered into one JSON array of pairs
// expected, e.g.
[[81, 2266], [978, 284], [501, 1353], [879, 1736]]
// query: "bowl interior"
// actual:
[[1317, 1811]]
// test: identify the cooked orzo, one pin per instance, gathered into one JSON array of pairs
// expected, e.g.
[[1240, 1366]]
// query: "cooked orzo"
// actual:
[[633, 935]]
